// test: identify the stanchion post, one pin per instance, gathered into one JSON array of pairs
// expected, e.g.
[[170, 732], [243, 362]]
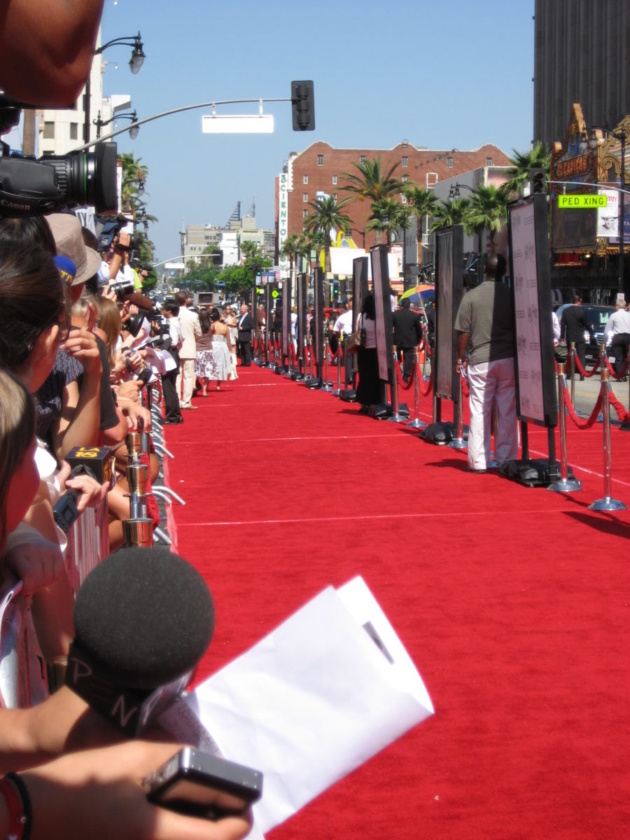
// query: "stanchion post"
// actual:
[[416, 423], [607, 503], [395, 416], [326, 386], [566, 484], [337, 390], [572, 370], [458, 441]]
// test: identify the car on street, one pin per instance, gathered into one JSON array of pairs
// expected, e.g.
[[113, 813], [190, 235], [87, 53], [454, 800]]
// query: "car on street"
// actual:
[[597, 315]]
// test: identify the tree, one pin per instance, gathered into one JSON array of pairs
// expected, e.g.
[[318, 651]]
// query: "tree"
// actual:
[[487, 211], [538, 157], [387, 217], [327, 216], [134, 175], [371, 182], [449, 213], [422, 203]]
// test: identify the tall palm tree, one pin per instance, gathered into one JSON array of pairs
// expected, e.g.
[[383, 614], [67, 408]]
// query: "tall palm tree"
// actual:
[[290, 249], [134, 175], [487, 211], [387, 217], [449, 213], [423, 203], [538, 157], [327, 217], [371, 182]]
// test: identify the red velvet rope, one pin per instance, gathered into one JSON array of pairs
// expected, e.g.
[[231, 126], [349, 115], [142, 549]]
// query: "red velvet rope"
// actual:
[[622, 414], [429, 388], [622, 372], [404, 386], [582, 371], [583, 424], [331, 354]]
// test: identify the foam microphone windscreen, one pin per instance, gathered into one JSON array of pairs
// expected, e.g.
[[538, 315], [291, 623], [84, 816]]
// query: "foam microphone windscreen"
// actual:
[[144, 615]]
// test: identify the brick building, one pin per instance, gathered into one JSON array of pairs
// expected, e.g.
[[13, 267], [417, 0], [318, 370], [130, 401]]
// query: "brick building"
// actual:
[[321, 168]]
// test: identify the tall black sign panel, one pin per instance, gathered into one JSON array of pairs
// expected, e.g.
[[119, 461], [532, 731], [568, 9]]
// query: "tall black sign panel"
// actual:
[[268, 312], [318, 317], [360, 269], [286, 316], [531, 287], [448, 282], [383, 305], [302, 290]]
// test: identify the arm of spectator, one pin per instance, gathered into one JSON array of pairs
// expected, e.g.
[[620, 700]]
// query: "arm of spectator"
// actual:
[[47, 49], [99, 794], [122, 244], [79, 423], [117, 433], [462, 344], [133, 411], [129, 390]]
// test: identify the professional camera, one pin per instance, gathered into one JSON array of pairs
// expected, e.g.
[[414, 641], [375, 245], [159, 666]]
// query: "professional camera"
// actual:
[[30, 187], [122, 289]]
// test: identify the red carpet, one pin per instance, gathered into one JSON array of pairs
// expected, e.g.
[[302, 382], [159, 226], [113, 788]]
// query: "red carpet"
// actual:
[[513, 602]]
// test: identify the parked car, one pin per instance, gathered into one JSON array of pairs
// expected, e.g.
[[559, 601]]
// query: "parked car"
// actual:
[[598, 316]]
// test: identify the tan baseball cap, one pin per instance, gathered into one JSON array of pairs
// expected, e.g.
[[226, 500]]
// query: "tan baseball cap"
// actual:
[[66, 230]]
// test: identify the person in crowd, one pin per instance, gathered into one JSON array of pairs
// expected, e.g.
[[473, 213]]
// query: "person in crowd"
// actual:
[[342, 328], [170, 310], [485, 327], [370, 388], [222, 348], [574, 325], [617, 334], [231, 322], [191, 331], [293, 328], [97, 791], [407, 335], [204, 361], [260, 321], [245, 326]]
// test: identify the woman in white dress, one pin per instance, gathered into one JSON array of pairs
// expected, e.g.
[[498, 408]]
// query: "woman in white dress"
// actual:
[[231, 322]]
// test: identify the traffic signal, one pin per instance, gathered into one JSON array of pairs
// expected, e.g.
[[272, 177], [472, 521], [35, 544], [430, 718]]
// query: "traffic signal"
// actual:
[[303, 106], [537, 181]]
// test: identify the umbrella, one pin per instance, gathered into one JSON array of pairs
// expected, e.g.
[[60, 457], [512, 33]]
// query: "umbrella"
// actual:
[[419, 295]]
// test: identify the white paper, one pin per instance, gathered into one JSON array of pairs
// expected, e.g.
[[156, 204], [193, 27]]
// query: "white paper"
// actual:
[[314, 699]]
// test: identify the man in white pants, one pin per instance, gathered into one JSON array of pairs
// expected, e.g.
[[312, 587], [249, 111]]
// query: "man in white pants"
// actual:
[[485, 327], [191, 330]]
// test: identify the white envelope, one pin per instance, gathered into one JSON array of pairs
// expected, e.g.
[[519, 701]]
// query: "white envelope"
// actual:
[[321, 694]]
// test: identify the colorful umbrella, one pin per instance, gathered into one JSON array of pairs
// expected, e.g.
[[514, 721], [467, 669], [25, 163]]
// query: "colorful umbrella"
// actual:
[[419, 294]]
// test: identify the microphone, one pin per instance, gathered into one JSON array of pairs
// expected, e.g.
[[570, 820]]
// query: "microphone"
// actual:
[[143, 619]]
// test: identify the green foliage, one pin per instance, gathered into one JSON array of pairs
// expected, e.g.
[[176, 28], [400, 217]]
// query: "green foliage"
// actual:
[[371, 182], [389, 216], [327, 216], [538, 157], [449, 213]]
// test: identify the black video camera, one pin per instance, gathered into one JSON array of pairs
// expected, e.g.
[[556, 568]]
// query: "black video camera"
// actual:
[[30, 187]]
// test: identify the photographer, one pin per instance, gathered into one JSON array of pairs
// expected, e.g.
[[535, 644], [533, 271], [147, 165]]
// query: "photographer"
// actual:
[[170, 311]]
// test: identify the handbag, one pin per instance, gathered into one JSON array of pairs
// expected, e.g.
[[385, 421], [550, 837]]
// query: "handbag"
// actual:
[[357, 338]]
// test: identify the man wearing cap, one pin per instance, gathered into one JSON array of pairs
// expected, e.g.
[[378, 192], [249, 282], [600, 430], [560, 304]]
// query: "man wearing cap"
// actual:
[[191, 330]]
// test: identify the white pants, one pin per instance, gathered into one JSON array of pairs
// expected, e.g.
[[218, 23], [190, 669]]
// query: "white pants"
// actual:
[[186, 380], [492, 383]]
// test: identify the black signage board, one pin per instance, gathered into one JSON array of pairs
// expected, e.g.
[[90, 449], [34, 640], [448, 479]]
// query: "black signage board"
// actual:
[[286, 316], [302, 291], [318, 319], [530, 269], [448, 294], [383, 306]]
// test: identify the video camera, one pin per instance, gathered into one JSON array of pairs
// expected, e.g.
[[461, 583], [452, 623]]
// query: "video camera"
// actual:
[[30, 187]]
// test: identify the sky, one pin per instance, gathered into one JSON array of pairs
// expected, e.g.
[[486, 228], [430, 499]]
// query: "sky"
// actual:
[[454, 74]]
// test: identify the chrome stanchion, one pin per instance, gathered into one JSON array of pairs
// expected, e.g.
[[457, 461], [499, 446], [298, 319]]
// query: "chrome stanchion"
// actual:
[[572, 370], [607, 503], [566, 484], [458, 441], [337, 390], [326, 386], [395, 416], [416, 423]]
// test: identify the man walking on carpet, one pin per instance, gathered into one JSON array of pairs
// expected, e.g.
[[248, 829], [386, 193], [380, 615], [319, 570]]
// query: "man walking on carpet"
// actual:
[[407, 335], [485, 326], [245, 326]]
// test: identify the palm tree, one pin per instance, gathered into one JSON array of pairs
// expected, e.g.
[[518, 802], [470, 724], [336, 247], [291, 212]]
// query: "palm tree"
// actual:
[[290, 249], [449, 213], [538, 157], [423, 203], [388, 216], [326, 218], [134, 175], [487, 211], [371, 182]]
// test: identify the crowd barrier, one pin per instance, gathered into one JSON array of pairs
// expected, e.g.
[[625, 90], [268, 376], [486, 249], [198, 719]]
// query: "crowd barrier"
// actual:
[[25, 678]]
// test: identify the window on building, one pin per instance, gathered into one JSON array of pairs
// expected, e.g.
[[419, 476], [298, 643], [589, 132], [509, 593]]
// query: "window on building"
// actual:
[[305, 197], [305, 179], [49, 131], [488, 161], [320, 160], [304, 214], [449, 162], [405, 178], [74, 131], [334, 196], [405, 161], [361, 158], [403, 199], [334, 179]]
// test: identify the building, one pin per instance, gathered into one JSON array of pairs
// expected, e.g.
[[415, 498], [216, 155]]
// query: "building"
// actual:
[[194, 239], [581, 55], [320, 169]]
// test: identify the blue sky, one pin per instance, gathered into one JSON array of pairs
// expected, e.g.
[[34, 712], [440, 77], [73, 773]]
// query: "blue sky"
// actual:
[[453, 74]]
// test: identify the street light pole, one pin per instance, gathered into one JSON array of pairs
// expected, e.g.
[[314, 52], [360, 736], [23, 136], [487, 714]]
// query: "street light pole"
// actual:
[[135, 63]]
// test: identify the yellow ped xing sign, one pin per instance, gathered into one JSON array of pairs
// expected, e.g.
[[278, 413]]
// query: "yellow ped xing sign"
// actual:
[[582, 202]]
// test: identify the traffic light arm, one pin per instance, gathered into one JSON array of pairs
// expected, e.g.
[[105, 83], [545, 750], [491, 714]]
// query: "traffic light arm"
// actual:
[[592, 186]]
